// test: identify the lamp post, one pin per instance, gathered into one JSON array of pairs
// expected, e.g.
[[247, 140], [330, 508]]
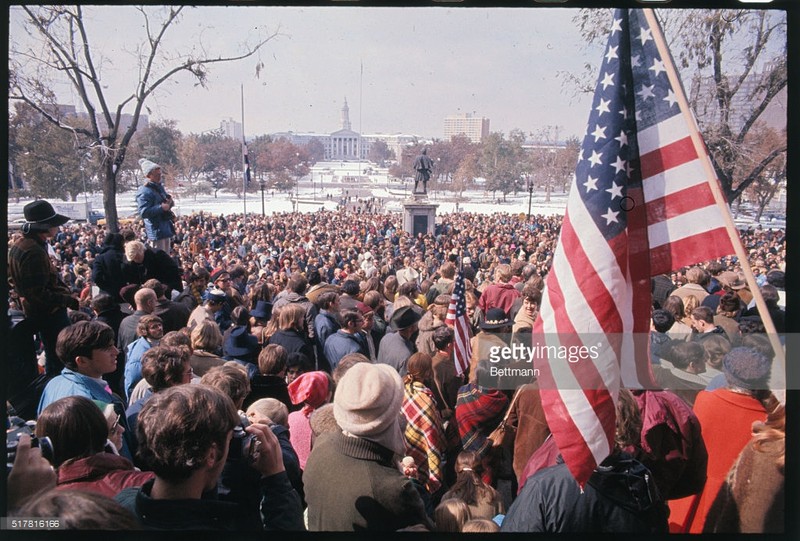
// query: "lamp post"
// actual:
[[530, 195], [261, 184]]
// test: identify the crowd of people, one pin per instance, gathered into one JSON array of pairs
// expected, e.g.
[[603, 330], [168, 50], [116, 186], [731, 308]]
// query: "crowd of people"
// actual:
[[296, 372]]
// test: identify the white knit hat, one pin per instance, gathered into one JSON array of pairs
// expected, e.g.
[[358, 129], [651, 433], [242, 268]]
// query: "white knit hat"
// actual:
[[367, 404], [148, 166]]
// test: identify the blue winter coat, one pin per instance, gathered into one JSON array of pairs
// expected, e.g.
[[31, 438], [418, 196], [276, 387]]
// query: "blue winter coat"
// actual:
[[133, 363], [157, 221]]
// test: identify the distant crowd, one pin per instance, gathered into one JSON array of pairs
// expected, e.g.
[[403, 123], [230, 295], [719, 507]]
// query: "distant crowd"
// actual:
[[296, 372]]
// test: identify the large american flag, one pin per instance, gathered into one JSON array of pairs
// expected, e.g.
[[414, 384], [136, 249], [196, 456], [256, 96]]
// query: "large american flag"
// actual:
[[640, 205], [457, 319]]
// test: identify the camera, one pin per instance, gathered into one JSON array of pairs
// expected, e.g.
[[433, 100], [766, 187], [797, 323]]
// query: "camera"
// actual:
[[243, 446], [19, 427]]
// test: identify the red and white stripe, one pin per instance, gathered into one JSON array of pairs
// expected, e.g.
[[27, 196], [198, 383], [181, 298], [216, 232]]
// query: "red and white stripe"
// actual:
[[682, 214]]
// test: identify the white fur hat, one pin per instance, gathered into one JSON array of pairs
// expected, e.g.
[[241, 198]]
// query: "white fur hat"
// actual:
[[148, 166]]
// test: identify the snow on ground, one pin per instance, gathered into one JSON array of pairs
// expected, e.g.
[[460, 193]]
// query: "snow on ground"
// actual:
[[311, 197]]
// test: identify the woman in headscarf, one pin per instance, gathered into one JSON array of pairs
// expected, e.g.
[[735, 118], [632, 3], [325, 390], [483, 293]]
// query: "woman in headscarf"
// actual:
[[311, 390], [424, 432]]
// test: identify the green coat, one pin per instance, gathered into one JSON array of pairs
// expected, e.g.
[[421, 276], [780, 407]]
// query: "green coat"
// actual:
[[352, 484]]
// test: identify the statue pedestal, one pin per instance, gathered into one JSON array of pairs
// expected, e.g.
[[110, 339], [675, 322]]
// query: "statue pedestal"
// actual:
[[419, 215]]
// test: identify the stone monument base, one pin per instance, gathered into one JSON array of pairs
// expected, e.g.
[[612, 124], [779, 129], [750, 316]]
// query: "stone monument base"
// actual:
[[419, 215]]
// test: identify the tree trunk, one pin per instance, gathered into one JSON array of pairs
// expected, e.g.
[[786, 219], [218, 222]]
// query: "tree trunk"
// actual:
[[110, 196]]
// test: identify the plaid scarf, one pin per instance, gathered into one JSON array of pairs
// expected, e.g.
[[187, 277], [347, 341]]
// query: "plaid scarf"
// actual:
[[478, 411], [424, 433]]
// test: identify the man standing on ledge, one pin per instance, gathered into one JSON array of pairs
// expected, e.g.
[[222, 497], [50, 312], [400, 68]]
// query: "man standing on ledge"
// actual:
[[155, 207], [45, 298], [423, 166]]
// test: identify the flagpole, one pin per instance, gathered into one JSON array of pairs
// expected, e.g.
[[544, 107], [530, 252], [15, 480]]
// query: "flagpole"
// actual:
[[244, 173], [711, 176]]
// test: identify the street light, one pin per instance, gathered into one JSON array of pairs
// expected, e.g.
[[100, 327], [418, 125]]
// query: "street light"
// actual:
[[261, 183], [530, 195]]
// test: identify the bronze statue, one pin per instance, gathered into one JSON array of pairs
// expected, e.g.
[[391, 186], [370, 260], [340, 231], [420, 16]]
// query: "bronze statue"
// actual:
[[423, 166]]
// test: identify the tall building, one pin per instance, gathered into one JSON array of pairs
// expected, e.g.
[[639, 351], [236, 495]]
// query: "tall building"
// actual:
[[473, 127], [231, 128], [703, 92]]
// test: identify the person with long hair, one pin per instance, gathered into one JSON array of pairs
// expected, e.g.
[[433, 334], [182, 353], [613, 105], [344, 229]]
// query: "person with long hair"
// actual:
[[290, 334], [483, 500], [79, 432], [206, 343], [682, 328], [451, 515], [424, 432]]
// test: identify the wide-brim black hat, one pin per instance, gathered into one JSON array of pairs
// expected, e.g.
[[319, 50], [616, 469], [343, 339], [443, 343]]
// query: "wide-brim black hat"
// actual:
[[236, 343], [496, 318], [404, 317], [263, 310], [41, 216]]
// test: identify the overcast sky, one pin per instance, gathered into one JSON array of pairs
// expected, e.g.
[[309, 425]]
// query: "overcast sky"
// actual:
[[419, 65]]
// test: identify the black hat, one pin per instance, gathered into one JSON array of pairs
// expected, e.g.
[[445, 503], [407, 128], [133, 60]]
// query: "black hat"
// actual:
[[41, 216], [127, 293], [263, 310], [404, 317], [495, 319], [236, 343]]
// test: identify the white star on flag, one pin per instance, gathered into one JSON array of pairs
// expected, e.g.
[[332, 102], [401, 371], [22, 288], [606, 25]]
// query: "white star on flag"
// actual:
[[610, 216], [591, 184], [595, 159], [671, 97], [608, 80], [615, 190], [623, 139], [611, 54], [658, 66], [602, 107], [619, 165], [599, 133], [646, 92]]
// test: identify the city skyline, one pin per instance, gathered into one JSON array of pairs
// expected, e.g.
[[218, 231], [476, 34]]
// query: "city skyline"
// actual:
[[402, 70]]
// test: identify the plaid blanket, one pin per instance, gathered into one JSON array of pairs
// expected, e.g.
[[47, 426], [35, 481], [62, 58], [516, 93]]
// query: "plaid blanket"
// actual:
[[478, 411], [425, 439]]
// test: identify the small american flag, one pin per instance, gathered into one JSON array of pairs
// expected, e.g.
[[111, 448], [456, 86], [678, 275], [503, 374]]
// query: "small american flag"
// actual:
[[640, 205], [457, 319]]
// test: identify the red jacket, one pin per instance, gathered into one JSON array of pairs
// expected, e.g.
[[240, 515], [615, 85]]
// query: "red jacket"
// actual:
[[726, 419], [672, 445], [104, 473], [498, 296]]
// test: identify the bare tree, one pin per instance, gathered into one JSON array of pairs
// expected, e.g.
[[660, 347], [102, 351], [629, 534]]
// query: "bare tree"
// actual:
[[63, 53], [733, 64]]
